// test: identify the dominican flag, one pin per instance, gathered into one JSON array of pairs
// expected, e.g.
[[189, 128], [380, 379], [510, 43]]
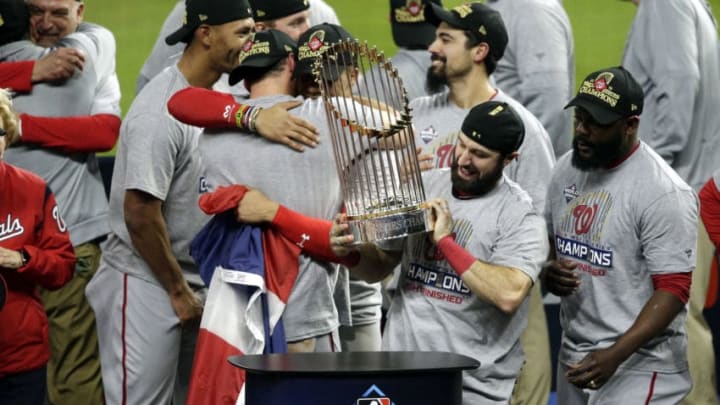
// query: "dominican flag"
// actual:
[[250, 271]]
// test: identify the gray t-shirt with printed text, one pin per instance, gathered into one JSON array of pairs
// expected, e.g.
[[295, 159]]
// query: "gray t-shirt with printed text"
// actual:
[[621, 226], [433, 310]]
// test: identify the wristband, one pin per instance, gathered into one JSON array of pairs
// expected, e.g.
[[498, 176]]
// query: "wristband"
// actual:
[[240, 113], [458, 258]]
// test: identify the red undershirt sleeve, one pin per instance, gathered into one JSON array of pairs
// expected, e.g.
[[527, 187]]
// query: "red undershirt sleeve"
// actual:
[[93, 133], [205, 108], [677, 284], [17, 75]]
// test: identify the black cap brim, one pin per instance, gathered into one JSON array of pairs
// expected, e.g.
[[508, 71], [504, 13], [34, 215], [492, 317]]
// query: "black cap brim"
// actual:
[[601, 115], [181, 35], [436, 14]]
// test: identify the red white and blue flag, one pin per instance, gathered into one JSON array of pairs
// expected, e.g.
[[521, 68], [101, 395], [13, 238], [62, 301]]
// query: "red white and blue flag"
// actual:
[[250, 271]]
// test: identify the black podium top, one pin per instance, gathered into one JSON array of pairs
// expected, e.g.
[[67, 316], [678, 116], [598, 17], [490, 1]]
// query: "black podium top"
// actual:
[[353, 362]]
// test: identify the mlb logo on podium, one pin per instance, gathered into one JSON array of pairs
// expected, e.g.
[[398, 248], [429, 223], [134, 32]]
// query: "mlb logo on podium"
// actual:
[[373, 401]]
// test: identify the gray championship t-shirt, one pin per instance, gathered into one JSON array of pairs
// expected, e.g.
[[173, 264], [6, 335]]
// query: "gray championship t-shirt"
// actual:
[[437, 124], [538, 67], [157, 155], [621, 226], [672, 51], [74, 177], [433, 310], [305, 182]]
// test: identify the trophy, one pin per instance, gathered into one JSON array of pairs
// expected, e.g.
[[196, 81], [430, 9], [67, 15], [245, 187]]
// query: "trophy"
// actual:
[[373, 142]]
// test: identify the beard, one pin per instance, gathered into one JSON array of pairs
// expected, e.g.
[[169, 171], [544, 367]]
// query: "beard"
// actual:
[[435, 82], [478, 187], [602, 154]]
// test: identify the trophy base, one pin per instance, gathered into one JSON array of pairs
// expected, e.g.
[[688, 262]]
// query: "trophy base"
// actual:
[[391, 226]]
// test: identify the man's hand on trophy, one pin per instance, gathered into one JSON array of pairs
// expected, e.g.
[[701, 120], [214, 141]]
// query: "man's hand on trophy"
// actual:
[[255, 207], [440, 219], [341, 242]]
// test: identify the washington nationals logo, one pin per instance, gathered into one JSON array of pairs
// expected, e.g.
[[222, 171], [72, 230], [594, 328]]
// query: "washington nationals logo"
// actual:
[[584, 218]]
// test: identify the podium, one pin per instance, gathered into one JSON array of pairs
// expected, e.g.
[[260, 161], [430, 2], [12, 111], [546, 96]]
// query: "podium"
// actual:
[[354, 378]]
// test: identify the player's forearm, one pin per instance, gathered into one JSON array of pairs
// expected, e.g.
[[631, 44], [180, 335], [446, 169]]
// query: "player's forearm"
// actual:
[[149, 235], [501, 286], [92, 133], [657, 314]]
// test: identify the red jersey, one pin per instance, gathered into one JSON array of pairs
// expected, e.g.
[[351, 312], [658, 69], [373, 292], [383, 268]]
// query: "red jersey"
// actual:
[[29, 220]]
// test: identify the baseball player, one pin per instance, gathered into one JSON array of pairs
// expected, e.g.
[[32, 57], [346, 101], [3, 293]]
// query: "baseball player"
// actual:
[[538, 66], [310, 320], [147, 292], [623, 228], [35, 250], [464, 286], [464, 63], [672, 51]]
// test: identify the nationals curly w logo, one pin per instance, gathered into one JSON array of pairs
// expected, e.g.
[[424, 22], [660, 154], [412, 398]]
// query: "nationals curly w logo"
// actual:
[[584, 218]]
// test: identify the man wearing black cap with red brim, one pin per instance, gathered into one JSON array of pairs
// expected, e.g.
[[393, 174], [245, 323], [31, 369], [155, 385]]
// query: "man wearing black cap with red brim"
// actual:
[[484, 253], [153, 216], [623, 229]]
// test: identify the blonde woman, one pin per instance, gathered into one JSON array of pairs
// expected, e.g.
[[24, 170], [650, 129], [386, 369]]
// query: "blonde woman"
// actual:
[[35, 250]]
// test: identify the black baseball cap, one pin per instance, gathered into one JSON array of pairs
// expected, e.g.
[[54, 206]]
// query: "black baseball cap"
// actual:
[[609, 95], [315, 41], [210, 12], [263, 50], [410, 28], [483, 23], [494, 125], [267, 10], [14, 21]]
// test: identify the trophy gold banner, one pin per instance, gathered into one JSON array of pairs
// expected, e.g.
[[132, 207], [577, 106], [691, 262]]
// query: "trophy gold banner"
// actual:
[[373, 141]]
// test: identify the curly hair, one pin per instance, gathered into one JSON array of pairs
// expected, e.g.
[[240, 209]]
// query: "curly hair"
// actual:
[[8, 118]]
